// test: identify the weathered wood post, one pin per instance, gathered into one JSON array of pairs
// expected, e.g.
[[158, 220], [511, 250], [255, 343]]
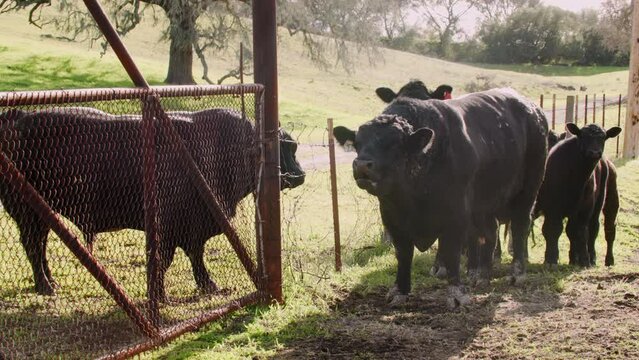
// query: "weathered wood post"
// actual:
[[631, 130], [570, 109], [331, 155]]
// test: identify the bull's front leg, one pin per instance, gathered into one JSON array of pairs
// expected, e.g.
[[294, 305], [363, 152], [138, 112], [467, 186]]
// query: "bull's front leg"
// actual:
[[404, 250], [195, 253], [451, 246]]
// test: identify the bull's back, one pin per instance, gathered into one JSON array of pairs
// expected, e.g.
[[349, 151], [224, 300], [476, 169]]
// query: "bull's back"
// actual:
[[508, 135], [88, 168]]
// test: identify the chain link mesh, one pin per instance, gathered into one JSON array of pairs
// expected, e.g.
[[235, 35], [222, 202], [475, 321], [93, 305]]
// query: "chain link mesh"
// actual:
[[82, 151]]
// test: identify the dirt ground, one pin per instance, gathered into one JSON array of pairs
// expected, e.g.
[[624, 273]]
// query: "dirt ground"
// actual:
[[594, 316]]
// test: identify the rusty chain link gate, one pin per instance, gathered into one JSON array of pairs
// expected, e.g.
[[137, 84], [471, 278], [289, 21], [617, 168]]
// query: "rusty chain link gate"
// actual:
[[61, 158]]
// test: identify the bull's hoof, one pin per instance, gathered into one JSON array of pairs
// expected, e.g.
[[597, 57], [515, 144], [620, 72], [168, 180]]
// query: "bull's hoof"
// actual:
[[517, 280], [220, 292], [482, 282], [457, 297], [551, 267], [610, 261], [398, 301], [208, 287], [47, 287], [439, 272], [392, 292], [473, 276]]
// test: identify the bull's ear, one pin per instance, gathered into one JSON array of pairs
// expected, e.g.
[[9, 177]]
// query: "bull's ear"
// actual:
[[573, 129], [442, 92], [344, 136], [419, 140], [613, 132], [387, 95]]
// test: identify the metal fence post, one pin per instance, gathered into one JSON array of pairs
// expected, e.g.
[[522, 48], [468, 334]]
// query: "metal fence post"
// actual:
[[331, 154], [265, 65]]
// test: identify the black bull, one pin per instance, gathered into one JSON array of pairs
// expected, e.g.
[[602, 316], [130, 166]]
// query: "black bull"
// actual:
[[88, 166], [448, 170]]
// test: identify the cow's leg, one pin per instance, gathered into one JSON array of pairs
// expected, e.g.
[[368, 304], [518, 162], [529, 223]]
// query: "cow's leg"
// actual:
[[166, 252], [520, 225], [577, 231], [552, 228], [33, 235], [487, 250], [451, 244], [473, 256], [593, 231], [438, 269], [89, 238], [404, 250], [610, 210], [195, 253]]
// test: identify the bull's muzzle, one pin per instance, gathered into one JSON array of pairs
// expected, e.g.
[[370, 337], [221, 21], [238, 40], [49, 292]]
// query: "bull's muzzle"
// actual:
[[363, 174]]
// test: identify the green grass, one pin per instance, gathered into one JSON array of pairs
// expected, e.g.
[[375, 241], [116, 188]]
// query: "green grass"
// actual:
[[344, 311], [552, 70]]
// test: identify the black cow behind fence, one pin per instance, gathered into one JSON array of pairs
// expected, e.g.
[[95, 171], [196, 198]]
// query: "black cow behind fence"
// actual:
[[448, 170], [88, 165], [578, 184]]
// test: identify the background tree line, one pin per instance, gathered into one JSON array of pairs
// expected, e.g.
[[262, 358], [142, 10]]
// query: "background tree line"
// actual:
[[509, 31], [516, 32]]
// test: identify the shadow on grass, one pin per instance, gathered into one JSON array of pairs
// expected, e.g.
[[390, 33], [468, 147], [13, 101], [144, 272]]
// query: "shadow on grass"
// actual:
[[49, 72], [361, 325], [32, 332]]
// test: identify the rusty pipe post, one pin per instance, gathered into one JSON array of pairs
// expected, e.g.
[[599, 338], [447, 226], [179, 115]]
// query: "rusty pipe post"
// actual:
[[151, 208], [265, 65], [116, 43]]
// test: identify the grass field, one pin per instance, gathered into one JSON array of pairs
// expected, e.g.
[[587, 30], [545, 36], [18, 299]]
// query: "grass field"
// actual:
[[568, 314]]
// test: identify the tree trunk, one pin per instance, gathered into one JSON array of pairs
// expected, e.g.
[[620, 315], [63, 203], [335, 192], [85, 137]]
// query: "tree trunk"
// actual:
[[182, 35]]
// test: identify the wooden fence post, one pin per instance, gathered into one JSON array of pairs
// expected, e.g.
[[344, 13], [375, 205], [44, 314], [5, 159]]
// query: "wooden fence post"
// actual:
[[331, 154], [554, 107], [586, 110], [570, 108], [631, 130]]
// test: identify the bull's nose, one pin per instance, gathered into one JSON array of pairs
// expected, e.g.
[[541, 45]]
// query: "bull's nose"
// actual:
[[594, 154], [362, 167]]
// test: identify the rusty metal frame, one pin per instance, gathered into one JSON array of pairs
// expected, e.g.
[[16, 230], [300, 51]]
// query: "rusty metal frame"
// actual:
[[268, 267], [149, 325]]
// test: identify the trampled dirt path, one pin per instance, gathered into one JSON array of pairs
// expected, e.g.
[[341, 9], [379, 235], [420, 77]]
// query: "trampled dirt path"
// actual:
[[595, 317]]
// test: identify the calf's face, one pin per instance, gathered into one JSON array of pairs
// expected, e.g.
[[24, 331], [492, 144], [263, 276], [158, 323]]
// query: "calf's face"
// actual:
[[383, 147], [291, 170], [592, 138]]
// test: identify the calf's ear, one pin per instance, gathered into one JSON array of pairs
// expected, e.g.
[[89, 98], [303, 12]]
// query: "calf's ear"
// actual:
[[573, 129], [387, 95], [344, 136], [613, 132], [419, 140]]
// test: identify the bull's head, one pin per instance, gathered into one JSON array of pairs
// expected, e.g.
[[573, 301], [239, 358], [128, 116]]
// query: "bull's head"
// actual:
[[591, 139], [383, 146], [415, 89], [292, 173]]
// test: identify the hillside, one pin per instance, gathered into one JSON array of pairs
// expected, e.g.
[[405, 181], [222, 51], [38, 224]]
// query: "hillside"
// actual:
[[308, 94]]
